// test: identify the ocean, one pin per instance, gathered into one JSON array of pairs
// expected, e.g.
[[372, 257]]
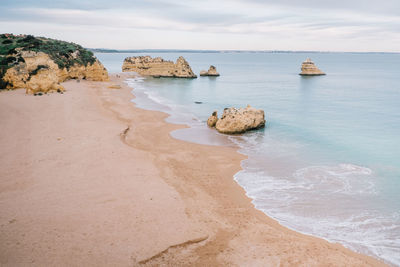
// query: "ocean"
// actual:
[[328, 161]]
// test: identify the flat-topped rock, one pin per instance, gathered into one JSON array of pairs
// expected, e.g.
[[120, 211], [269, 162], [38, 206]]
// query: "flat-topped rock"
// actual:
[[158, 67], [308, 68], [212, 71], [234, 121]]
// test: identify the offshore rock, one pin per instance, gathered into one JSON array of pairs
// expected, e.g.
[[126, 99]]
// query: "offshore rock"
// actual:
[[308, 68], [212, 120], [212, 71], [158, 67], [234, 121]]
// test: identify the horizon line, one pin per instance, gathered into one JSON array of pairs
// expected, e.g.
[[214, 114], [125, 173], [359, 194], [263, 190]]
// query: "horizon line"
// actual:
[[110, 50]]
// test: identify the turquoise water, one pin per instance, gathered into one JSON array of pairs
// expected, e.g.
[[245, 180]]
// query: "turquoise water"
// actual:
[[328, 161]]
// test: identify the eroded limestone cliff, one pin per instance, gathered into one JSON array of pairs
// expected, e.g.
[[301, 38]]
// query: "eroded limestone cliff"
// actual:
[[24, 65], [158, 67]]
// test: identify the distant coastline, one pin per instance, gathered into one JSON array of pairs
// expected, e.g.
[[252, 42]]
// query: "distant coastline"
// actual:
[[106, 50]]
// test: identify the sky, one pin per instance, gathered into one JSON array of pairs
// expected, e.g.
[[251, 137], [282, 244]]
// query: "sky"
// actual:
[[307, 25]]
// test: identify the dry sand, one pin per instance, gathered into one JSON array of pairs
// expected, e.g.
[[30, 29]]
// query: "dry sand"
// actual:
[[88, 179]]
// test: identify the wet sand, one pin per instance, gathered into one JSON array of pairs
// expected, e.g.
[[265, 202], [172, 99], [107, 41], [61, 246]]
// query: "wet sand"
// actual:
[[88, 179]]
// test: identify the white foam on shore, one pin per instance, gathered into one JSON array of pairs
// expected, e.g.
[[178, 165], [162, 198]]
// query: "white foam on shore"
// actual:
[[323, 201], [155, 101], [343, 178], [177, 114], [334, 202]]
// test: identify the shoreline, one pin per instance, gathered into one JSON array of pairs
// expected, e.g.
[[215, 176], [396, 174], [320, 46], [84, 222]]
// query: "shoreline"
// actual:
[[188, 210], [201, 134], [193, 132]]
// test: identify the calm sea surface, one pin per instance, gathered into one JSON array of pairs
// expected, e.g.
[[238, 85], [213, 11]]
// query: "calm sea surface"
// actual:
[[328, 161]]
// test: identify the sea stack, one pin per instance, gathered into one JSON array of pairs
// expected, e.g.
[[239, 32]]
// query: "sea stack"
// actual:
[[158, 67], [212, 71], [308, 68], [235, 121]]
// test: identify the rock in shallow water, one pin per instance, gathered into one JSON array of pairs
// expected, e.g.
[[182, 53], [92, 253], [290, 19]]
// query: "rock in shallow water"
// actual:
[[212, 120], [234, 121]]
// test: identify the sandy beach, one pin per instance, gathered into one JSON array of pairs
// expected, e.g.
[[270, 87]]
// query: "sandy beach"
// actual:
[[88, 179]]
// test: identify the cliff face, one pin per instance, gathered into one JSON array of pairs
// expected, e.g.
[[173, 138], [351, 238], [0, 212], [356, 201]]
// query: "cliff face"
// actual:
[[158, 67], [38, 71], [308, 68]]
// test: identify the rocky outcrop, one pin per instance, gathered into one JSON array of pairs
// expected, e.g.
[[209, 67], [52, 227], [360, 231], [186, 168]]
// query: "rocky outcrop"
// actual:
[[212, 120], [234, 121], [40, 64], [212, 71], [39, 73], [308, 68], [92, 72], [115, 86], [45, 80], [158, 67]]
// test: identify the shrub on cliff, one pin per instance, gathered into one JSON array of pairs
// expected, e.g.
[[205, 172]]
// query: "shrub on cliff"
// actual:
[[35, 71]]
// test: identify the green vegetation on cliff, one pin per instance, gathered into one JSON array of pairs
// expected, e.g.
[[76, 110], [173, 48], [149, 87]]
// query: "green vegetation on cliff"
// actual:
[[64, 54]]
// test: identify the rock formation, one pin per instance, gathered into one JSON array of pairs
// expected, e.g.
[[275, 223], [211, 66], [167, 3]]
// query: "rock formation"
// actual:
[[45, 80], [212, 120], [115, 86], [39, 73], [25, 65], [212, 71], [234, 121], [158, 67], [308, 68]]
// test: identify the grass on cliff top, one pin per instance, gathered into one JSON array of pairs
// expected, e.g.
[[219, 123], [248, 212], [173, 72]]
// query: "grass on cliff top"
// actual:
[[62, 53], [59, 51]]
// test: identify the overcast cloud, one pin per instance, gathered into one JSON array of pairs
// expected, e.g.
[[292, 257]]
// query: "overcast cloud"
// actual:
[[338, 25]]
